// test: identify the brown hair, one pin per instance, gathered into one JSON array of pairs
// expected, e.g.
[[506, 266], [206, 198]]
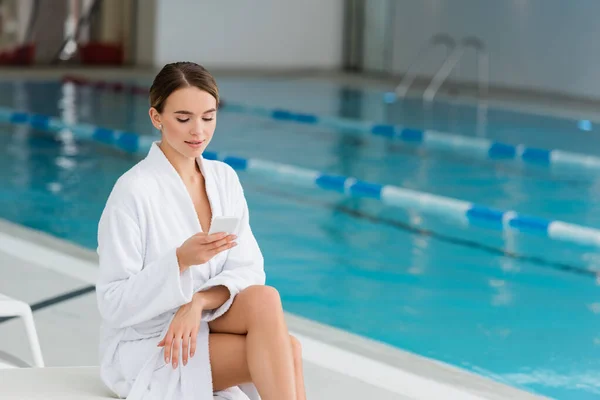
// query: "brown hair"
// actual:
[[179, 75]]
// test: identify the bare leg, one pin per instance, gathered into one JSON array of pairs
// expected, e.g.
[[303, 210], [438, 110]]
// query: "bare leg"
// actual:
[[228, 360], [297, 350], [230, 367], [257, 313]]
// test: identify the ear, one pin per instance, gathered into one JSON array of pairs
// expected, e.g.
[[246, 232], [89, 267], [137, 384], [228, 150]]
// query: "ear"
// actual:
[[155, 118]]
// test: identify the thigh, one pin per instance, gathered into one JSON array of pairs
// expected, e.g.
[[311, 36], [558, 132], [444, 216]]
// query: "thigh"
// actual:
[[228, 361], [248, 306]]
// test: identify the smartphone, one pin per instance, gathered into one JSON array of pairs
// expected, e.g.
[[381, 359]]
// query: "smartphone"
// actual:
[[223, 224]]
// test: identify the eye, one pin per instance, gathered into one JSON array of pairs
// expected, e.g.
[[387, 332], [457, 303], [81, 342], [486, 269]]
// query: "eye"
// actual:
[[207, 119], [183, 120]]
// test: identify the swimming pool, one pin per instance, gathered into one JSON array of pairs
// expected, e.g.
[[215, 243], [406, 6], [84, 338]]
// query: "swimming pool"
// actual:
[[507, 306]]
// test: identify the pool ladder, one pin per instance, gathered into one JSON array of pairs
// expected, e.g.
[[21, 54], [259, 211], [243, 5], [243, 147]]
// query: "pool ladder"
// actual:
[[454, 52]]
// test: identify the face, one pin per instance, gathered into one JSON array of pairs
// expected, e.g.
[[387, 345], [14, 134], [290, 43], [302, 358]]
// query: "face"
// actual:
[[188, 121]]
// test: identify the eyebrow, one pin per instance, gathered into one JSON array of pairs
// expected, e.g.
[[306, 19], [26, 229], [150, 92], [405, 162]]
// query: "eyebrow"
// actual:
[[191, 113]]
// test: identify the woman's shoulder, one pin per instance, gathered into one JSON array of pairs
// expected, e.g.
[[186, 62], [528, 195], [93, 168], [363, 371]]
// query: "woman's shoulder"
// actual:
[[133, 185]]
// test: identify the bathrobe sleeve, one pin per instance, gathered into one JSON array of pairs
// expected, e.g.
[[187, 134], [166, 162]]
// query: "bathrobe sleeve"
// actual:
[[128, 291], [244, 265]]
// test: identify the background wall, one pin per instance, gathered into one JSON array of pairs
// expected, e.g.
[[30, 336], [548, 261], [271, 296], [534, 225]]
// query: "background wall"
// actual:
[[250, 34], [145, 33], [540, 44], [547, 45]]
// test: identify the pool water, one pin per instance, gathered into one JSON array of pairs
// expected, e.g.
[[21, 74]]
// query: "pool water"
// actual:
[[520, 309]]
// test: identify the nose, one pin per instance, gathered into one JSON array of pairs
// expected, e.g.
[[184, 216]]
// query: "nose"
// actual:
[[198, 127]]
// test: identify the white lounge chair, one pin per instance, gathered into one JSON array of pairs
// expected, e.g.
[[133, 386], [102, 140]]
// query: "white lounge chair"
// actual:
[[10, 307], [64, 383]]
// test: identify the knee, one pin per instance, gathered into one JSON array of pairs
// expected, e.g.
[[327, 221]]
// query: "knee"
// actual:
[[296, 347], [262, 300]]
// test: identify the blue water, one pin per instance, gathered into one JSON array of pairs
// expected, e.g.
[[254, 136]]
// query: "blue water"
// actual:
[[515, 308]]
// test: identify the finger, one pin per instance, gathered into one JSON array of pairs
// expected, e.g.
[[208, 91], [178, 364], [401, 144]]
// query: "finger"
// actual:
[[168, 341], [224, 247], [193, 338], [176, 349], [212, 238], [161, 343], [224, 241], [185, 348]]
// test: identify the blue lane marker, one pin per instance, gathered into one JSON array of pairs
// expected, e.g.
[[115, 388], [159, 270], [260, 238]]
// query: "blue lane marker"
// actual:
[[19, 118], [307, 118], [104, 135], [485, 213], [502, 150], [129, 142], [210, 155], [237, 163], [384, 130], [39, 121], [411, 135], [497, 150], [282, 115], [530, 224], [367, 189], [537, 155], [331, 182]]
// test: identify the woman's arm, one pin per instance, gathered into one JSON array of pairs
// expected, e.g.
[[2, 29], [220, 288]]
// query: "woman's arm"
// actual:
[[212, 298], [128, 290]]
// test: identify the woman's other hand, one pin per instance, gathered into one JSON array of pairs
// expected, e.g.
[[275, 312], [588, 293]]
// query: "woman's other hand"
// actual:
[[183, 333], [201, 247]]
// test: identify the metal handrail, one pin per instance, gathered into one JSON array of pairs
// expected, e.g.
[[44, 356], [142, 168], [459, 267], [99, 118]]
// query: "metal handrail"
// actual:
[[452, 60], [84, 19], [439, 39], [483, 64]]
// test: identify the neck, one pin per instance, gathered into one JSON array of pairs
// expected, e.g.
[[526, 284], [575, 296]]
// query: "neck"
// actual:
[[186, 167]]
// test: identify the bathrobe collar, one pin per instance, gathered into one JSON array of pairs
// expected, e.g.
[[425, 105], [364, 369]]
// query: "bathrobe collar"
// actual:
[[159, 161]]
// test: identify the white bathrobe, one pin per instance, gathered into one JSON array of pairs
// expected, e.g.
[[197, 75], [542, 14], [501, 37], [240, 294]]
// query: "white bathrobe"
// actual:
[[148, 215]]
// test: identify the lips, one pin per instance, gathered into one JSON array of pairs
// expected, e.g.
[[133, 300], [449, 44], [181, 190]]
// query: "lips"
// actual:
[[195, 144]]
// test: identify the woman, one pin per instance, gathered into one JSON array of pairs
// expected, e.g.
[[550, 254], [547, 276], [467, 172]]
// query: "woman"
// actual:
[[167, 290]]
